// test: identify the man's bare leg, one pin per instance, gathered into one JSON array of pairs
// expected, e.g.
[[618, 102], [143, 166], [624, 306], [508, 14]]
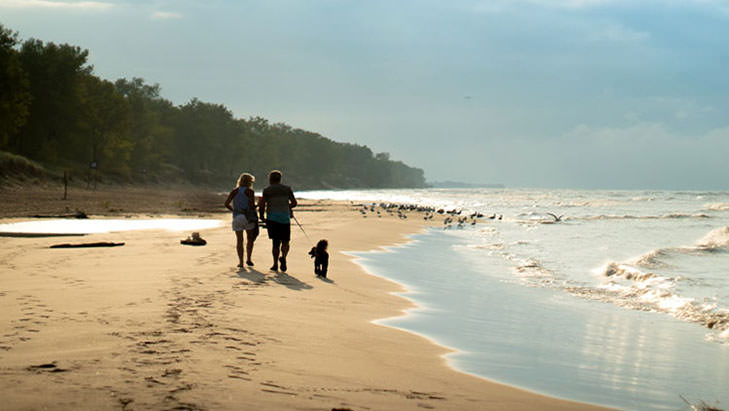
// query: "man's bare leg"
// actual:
[[275, 252], [284, 253]]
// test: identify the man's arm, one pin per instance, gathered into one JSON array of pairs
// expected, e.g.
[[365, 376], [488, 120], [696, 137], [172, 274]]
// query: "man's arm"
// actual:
[[292, 199], [262, 208]]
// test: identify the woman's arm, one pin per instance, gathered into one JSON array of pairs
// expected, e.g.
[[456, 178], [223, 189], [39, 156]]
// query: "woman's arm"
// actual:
[[251, 198], [230, 199]]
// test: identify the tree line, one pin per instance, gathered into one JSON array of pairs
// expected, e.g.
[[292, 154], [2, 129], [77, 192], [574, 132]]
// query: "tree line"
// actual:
[[54, 110]]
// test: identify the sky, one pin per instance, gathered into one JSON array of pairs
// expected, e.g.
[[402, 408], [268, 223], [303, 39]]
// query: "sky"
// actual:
[[605, 94]]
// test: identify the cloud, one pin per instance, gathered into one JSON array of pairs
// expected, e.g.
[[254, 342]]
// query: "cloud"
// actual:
[[643, 155], [619, 34], [495, 6], [165, 15], [56, 5]]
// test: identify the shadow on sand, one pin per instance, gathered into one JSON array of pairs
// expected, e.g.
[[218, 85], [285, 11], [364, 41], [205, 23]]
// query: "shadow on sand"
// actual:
[[279, 277], [325, 280], [252, 275], [290, 282]]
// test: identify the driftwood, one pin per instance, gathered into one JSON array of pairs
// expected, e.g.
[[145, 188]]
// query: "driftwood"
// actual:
[[87, 245], [193, 242], [77, 214]]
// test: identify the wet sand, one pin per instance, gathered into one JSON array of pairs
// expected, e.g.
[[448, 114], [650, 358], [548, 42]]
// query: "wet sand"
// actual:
[[158, 325]]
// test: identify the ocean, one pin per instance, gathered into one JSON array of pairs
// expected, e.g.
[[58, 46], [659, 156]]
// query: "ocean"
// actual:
[[619, 298]]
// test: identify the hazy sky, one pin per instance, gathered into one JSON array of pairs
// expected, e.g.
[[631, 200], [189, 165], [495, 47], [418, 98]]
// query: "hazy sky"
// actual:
[[554, 93]]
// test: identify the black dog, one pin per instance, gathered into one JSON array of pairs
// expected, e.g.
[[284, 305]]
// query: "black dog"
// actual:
[[321, 258]]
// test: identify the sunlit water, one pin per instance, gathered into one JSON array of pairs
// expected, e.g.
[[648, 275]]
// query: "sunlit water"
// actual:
[[103, 225], [624, 302]]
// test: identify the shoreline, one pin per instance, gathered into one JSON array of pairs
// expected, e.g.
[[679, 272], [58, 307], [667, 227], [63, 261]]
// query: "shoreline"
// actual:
[[252, 337], [416, 306]]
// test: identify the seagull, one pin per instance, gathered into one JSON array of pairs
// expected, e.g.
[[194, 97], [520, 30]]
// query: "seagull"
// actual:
[[556, 218]]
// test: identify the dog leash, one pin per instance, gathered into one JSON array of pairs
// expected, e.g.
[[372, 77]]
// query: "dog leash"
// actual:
[[302, 229]]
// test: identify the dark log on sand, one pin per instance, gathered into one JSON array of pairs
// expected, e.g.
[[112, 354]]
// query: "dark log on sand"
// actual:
[[191, 241], [78, 214], [87, 245]]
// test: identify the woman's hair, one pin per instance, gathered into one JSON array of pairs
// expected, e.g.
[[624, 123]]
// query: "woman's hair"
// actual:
[[321, 246], [246, 180]]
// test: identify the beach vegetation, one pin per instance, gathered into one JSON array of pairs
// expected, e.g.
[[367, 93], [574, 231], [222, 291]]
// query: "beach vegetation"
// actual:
[[15, 165], [56, 112]]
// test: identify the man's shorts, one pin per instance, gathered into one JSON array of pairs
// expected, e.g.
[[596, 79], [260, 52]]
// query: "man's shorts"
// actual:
[[278, 231], [240, 223]]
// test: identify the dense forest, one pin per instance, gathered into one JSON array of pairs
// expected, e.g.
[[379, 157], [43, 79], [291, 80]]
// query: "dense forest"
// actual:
[[56, 112]]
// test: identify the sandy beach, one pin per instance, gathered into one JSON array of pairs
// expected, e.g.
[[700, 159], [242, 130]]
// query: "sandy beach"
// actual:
[[158, 325]]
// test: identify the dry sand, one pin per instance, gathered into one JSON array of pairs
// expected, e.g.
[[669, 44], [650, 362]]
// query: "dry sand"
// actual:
[[158, 325]]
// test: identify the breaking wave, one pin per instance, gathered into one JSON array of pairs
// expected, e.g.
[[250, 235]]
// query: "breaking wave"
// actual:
[[641, 217], [716, 240], [717, 206], [629, 287], [639, 285]]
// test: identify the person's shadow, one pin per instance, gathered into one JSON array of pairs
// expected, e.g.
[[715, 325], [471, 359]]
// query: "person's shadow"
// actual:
[[290, 282], [325, 280], [252, 275]]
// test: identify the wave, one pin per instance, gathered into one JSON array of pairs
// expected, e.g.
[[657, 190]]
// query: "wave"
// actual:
[[614, 269], [629, 287], [652, 259], [717, 239], [641, 217], [717, 206], [640, 283]]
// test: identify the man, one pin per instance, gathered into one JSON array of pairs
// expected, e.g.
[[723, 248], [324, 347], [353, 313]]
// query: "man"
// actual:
[[277, 202]]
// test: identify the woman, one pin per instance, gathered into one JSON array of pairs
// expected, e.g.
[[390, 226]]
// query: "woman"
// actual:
[[244, 215]]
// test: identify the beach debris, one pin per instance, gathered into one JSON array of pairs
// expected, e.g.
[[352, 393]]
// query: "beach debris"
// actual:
[[194, 239], [87, 245], [48, 367]]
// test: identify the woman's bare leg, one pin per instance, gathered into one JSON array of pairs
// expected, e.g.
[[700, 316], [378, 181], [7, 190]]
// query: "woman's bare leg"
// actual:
[[239, 247], [249, 246]]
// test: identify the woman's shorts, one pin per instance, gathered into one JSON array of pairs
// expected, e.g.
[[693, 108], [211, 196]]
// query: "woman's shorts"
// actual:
[[240, 223], [278, 231]]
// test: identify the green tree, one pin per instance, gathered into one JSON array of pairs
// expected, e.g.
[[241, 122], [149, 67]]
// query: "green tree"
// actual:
[[55, 73], [103, 125], [150, 137], [14, 88]]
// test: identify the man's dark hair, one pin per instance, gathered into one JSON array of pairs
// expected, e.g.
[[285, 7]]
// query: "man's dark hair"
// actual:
[[274, 177]]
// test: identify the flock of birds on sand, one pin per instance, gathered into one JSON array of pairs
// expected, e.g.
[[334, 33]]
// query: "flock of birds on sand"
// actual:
[[454, 218]]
